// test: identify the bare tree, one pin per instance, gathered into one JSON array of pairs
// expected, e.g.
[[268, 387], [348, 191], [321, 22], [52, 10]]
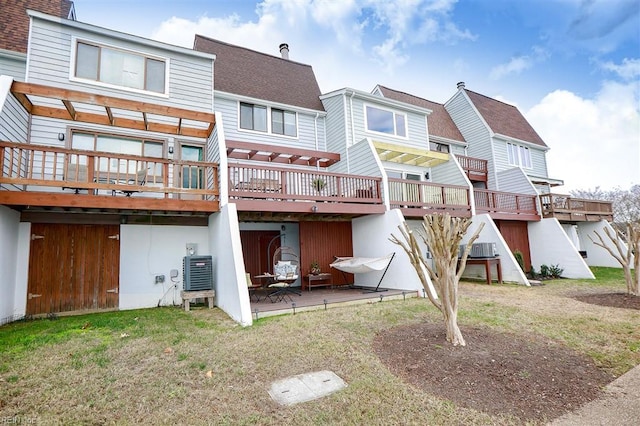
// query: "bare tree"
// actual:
[[442, 234], [626, 203], [625, 241], [626, 250]]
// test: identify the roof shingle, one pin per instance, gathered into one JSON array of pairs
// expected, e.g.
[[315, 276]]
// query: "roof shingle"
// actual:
[[14, 21], [440, 122], [504, 119], [245, 72]]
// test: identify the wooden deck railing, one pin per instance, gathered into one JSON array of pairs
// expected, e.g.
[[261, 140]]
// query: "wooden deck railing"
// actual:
[[27, 167], [566, 208], [416, 198], [286, 184], [475, 168], [506, 205]]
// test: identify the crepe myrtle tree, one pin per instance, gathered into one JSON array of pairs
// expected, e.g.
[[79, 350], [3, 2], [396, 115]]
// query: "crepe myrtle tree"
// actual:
[[442, 234], [624, 243], [625, 248]]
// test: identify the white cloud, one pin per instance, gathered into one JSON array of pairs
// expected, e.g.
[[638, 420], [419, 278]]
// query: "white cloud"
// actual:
[[518, 64], [594, 142], [628, 69], [376, 31]]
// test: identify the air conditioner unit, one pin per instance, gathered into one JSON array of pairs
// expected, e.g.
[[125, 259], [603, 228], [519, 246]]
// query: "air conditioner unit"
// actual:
[[198, 273], [480, 250]]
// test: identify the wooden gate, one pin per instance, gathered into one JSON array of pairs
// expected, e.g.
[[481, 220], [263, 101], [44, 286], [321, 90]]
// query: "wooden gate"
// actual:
[[73, 268], [516, 235]]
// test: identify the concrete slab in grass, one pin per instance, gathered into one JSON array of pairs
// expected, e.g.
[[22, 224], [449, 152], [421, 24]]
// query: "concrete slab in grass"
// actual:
[[305, 387]]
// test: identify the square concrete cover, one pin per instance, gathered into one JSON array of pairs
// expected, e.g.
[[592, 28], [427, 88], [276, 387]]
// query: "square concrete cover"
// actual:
[[305, 387]]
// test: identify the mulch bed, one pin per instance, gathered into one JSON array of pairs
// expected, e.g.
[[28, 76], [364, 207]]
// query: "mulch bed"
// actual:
[[616, 300], [497, 373]]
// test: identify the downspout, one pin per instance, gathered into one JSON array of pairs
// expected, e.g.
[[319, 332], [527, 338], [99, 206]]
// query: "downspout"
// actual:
[[315, 134], [353, 132]]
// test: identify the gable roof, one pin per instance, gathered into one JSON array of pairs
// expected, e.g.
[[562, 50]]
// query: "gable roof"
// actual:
[[14, 21], [246, 72], [440, 122], [504, 119]]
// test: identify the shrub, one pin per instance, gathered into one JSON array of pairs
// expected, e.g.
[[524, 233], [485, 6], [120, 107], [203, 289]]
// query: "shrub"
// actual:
[[519, 258], [544, 271], [556, 271]]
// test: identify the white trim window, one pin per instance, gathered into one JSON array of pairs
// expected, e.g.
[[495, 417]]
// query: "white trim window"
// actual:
[[120, 67], [254, 117], [519, 155], [385, 121]]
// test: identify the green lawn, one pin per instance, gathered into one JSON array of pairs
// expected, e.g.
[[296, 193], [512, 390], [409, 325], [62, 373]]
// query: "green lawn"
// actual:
[[167, 366]]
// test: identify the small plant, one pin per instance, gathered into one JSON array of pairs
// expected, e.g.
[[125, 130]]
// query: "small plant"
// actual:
[[519, 258], [314, 268], [544, 271], [555, 271], [532, 272], [318, 184]]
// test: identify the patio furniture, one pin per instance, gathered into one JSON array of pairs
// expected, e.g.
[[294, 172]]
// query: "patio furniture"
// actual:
[[286, 270], [139, 179], [359, 265], [75, 173]]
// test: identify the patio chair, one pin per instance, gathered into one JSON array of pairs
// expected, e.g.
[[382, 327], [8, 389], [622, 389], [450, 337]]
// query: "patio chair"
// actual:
[[139, 179], [75, 173], [286, 270]]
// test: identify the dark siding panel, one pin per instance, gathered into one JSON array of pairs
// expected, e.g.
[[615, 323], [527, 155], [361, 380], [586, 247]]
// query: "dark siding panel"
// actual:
[[516, 235], [254, 250], [322, 242]]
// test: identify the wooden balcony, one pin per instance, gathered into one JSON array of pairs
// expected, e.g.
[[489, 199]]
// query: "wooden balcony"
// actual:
[[506, 205], [568, 209], [48, 177], [301, 193], [415, 199], [474, 168]]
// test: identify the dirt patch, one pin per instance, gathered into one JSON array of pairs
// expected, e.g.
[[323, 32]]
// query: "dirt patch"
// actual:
[[497, 373], [615, 300]]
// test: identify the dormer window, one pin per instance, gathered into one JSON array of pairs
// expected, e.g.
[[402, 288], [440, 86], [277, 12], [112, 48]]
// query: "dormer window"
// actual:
[[519, 155], [254, 117], [119, 67], [386, 121]]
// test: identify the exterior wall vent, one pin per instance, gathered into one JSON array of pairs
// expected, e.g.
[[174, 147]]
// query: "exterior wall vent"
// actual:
[[198, 273]]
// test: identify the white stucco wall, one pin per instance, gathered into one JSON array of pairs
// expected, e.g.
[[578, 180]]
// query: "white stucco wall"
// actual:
[[9, 224], [550, 245], [596, 256], [150, 250], [511, 271], [232, 295], [371, 239]]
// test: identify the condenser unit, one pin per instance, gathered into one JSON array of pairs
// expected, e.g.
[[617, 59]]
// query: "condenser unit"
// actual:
[[198, 273], [480, 250]]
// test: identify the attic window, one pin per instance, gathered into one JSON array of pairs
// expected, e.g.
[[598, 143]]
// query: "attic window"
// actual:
[[119, 67], [519, 155], [385, 121]]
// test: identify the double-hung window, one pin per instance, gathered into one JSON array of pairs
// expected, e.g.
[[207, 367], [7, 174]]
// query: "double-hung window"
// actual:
[[385, 121], [120, 67], [519, 155], [254, 117]]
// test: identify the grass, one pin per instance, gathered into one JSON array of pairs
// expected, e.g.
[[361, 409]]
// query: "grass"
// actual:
[[166, 366]]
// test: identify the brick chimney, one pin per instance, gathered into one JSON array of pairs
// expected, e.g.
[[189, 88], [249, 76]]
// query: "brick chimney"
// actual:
[[460, 85], [284, 50]]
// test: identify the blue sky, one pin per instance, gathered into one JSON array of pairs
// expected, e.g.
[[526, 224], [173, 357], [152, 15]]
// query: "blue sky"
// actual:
[[571, 66]]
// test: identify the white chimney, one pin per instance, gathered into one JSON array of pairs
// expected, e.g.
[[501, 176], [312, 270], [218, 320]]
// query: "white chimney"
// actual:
[[284, 50], [460, 85]]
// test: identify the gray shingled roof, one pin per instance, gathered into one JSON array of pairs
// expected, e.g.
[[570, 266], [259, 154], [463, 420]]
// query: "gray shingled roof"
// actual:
[[440, 122], [246, 72], [504, 119]]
